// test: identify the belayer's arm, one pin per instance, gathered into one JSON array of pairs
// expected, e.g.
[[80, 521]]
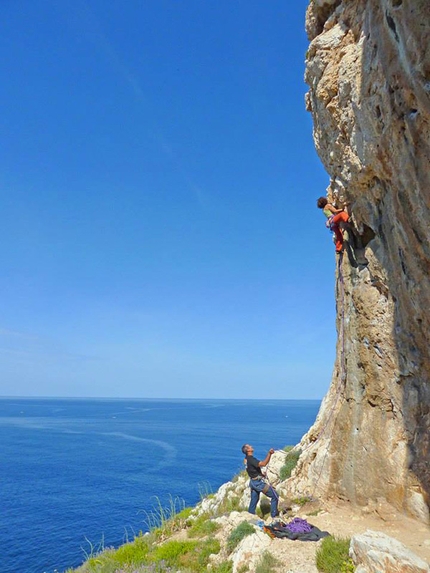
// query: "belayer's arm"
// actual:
[[266, 459]]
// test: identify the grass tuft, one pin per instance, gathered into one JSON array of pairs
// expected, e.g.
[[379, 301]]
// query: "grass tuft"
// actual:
[[267, 563], [171, 551], [290, 462], [227, 505], [333, 556], [240, 532], [224, 567], [203, 526], [205, 490], [165, 520], [300, 500], [186, 555]]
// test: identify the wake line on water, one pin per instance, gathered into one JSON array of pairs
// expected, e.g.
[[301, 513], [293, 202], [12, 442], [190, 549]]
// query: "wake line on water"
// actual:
[[170, 451], [51, 425]]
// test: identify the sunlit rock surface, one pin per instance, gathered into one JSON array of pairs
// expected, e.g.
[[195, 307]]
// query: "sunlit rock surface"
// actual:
[[368, 71], [374, 551]]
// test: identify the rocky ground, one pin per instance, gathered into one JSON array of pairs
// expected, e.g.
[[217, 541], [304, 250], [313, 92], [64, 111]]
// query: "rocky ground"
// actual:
[[340, 519], [343, 521]]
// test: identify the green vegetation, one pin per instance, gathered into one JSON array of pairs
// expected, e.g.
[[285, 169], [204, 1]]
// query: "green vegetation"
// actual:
[[159, 552], [227, 506], [236, 477], [224, 567], [267, 563], [347, 566], [154, 552], [240, 532], [111, 560], [259, 512], [143, 555], [172, 551], [168, 519], [206, 549], [205, 490], [290, 463], [202, 527], [231, 504], [132, 552], [300, 500], [333, 556]]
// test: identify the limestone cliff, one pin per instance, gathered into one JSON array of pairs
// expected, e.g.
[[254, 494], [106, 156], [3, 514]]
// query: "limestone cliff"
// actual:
[[368, 71]]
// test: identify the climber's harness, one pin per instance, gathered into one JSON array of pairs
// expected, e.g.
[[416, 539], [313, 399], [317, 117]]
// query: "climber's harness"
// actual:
[[329, 223], [266, 485]]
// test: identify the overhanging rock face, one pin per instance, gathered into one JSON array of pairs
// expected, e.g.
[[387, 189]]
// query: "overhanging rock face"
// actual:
[[368, 71]]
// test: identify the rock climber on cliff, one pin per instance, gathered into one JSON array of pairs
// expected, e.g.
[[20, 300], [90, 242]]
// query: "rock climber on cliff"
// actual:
[[334, 218], [257, 482]]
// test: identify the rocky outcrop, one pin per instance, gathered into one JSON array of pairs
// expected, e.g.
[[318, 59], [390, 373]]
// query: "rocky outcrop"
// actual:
[[368, 71], [374, 551]]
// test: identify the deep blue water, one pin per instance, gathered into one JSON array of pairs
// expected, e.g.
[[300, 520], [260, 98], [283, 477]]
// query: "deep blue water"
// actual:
[[76, 469]]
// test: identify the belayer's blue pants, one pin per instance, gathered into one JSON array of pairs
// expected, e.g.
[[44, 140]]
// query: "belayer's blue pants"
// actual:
[[257, 487]]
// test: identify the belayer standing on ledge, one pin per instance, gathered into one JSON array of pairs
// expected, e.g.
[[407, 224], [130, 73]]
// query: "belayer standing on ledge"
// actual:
[[257, 483], [334, 218]]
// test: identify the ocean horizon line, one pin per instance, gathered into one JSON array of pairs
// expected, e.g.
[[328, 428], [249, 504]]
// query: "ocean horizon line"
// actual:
[[152, 399]]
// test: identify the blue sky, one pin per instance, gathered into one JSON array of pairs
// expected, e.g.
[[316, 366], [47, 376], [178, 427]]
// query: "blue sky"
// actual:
[[159, 234]]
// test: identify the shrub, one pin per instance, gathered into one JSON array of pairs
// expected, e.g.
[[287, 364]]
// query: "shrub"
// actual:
[[224, 567], [172, 550], [209, 547], [187, 555], [239, 533], [202, 527], [300, 500], [131, 553], [184, 514], [267, 563], [290, 463], [333, 555]]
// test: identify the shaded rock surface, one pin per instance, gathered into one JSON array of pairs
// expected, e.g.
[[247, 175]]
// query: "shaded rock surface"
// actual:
[[368, 71]]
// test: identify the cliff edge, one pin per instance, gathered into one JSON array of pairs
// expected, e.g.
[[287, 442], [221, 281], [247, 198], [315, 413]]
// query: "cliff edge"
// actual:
[[368, 71]]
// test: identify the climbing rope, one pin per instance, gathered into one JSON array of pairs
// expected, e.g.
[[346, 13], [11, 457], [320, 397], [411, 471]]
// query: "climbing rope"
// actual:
[[342, 374], [266, 477], [341, 379]]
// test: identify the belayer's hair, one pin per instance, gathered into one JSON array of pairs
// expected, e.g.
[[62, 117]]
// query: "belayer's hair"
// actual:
[[244, 449], [322, 202]]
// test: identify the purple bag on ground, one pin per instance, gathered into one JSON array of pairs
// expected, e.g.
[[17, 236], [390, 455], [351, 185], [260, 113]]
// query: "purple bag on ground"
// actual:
[[298, 525]]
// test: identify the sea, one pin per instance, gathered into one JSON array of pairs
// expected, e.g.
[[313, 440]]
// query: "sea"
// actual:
[[78, 475]]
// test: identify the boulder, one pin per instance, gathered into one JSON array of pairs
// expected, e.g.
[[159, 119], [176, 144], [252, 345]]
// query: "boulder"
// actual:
[[249, 551], [375, 552]]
